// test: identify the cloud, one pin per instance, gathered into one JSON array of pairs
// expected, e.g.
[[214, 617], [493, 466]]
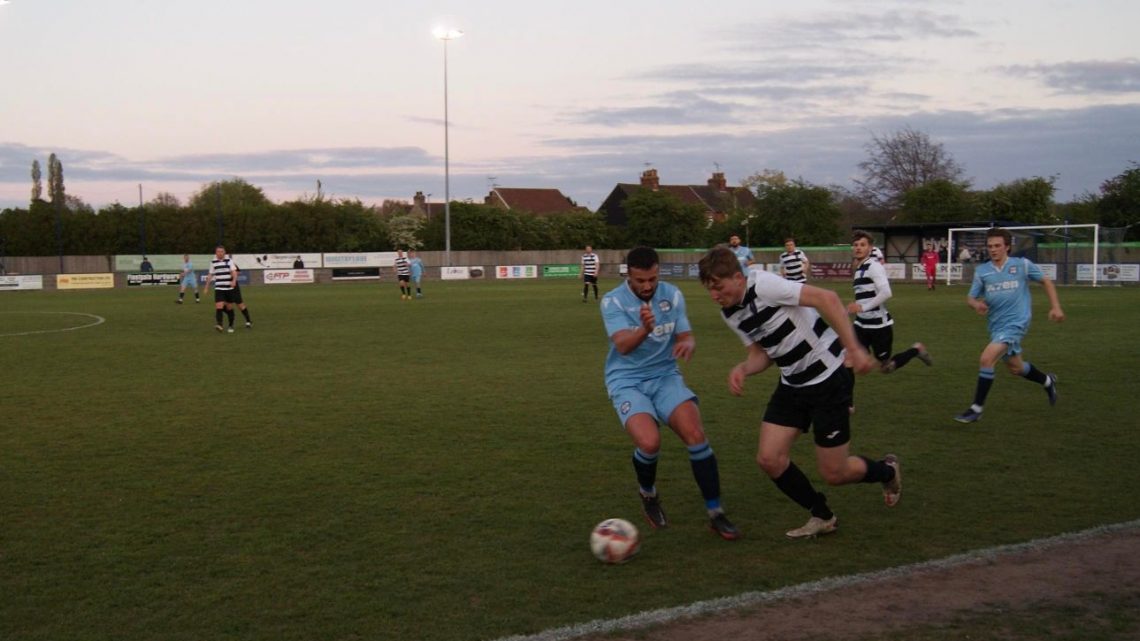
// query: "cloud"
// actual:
[[1083, 77], [837, 30]]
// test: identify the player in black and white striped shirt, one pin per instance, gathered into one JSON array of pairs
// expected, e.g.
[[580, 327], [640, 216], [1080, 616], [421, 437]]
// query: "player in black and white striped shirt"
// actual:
[[794, 264], [590, 264], [804, 330], [874, 326], [404, 275], [223, 274]]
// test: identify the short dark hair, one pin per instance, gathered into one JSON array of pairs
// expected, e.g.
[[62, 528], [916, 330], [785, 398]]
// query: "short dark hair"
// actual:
[[718, 263], [995, 232], [859, 233], [789, 239], [641, 258]]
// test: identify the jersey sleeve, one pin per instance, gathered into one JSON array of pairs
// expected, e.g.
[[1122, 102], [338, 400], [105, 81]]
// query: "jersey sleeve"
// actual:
[[882, 286], [682, 321], [1033, 271], [978, 286], [614, 316], [773, 290]]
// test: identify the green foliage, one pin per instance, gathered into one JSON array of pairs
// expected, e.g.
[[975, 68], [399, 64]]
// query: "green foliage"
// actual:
[[1028, 201], [1119, 203], [937, 201], [797, 209], [660, 219], [404, 231], [37, 181], [56, 191]]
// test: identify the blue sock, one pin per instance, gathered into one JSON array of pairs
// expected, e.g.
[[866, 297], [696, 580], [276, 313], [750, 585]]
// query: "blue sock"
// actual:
[[985, 381], [703, 462], [645, 465]]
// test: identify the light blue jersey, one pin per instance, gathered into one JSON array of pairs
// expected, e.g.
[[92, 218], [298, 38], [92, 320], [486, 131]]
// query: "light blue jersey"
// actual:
[[621, 309], [188, 275], [744, 255], [417, 266], [1006, 294]]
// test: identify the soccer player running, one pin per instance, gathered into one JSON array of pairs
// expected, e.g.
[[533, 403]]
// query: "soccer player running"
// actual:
[[590, 263], [223, 274], [803, 330], [649, 330], [1000, 291], [403, 275], [874, 326], [188, 280], [417, 267], [743, 254]]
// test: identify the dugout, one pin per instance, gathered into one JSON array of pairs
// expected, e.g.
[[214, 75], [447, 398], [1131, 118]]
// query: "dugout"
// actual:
[[902, 242]]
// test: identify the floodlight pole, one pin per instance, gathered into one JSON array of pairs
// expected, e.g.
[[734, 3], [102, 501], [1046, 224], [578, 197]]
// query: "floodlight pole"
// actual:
[[445, 35]]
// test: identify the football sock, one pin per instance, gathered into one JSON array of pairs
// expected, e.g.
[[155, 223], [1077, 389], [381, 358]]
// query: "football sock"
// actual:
[[645, 465], [181, 295], [218, 316], [585, 290], [903, 357], [595, 292], [877, 471], [796, 486], [703, 462], [1032, 373], [230, 316], [419, 291], [245, 312], [985, 382]]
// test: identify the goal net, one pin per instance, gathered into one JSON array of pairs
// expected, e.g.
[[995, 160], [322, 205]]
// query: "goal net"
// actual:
[[1067, 254]]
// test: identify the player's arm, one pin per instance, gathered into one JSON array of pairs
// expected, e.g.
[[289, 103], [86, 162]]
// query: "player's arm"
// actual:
[[627, 340], [1055, 312], [882, 287], [209, 279], [827, 303], [757, 361], [684, 345], [807, 266]]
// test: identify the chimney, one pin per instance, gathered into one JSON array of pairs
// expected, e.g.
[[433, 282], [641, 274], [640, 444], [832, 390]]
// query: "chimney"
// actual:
[[419, 202], [718, 182], [649, 179]]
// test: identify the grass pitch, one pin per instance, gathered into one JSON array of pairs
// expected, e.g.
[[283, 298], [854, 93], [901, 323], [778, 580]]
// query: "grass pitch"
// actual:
[[361, 467]]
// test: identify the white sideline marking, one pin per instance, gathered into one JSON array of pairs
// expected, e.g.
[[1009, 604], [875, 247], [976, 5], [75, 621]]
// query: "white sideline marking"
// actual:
[[98, 320], [700, 608]]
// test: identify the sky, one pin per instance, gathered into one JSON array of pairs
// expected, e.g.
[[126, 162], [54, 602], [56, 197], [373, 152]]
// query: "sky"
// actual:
[[576, 96]]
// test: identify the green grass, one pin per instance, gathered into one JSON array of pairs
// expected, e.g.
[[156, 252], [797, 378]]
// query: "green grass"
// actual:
[[358, 467]]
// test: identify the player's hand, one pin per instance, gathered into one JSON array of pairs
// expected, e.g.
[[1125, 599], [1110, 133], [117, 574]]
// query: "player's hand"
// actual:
[[859, 360], [853, 308], [981, 308], [684, 349], [648, 321], [1057, 315], [736, 378]]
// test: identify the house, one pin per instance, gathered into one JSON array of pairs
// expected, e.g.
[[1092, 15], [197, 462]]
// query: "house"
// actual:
[[540, 202], [716, 198], [421, 206]]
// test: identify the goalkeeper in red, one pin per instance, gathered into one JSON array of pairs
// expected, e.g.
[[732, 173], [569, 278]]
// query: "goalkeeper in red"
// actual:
[[1001, 293]]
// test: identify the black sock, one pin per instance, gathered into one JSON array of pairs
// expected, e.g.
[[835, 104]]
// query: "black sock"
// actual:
[[595, 292], [703, 462], [419, 291], [181, 295], [985, 382], [245, 312], [645, 465], [877, 471], [585, 290], [218, 316], [903, 357], [230, 316], [1034, 374], [796, 486]]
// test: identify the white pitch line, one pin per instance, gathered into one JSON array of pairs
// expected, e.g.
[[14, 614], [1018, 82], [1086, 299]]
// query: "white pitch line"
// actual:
[[98, 320], [701, 608]]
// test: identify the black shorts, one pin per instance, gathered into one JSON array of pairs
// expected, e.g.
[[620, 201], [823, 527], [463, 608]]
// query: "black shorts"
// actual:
[[590, 280], [404, 278], [822, 407], [224, 296], [235, 296], [877, 340]]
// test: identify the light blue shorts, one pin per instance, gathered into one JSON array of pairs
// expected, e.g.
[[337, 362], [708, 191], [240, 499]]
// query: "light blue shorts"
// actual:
[[657, 397], [1012, 342], [189, 281]]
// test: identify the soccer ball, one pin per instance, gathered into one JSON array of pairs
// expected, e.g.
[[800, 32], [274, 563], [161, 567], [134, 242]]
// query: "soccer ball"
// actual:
[[615, 541]]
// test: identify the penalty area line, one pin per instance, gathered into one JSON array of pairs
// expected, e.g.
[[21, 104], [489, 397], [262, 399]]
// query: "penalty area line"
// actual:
[[98, 321], [701, 608]]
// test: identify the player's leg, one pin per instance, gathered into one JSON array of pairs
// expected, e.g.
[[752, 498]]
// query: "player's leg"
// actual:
[[1020, 367], [635, 410], [990, 356], [419, 289], [585, 288], [685, 421], [219, 309]]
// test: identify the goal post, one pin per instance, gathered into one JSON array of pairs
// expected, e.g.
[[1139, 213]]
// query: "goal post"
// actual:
[[1063, 246]]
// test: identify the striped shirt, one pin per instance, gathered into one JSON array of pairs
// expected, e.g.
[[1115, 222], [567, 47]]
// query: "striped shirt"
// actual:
[[797, 340], [872, 289], [877, 254], [402, 266], [590, 264], [793, 263], [224, 271]]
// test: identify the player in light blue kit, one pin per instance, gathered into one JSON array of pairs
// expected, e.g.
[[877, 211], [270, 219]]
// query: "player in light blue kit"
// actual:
[[743, 254], [648, 329], [188, 280], [417, 267], [1001, 292]]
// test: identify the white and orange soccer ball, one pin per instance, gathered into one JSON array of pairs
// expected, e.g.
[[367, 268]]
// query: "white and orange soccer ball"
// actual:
[[615, 541]]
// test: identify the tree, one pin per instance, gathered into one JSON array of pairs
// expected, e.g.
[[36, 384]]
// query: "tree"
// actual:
[[660, 219], [56, 191], [901, 161], [937, 201], [1028, 201], [1119, 203], [798, 209], [404, 230], [37, 184]]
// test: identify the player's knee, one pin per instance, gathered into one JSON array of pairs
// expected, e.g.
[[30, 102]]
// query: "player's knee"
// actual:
[[772, 463], [833, 475]]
